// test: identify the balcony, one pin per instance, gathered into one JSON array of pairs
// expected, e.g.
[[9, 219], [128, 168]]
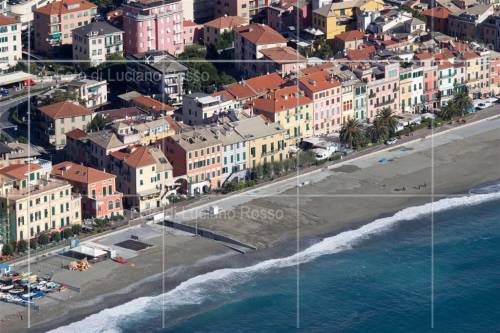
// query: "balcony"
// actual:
[[387, 102]]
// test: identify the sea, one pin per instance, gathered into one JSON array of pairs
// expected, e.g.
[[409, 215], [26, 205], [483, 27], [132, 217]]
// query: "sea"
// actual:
[[430, 268]]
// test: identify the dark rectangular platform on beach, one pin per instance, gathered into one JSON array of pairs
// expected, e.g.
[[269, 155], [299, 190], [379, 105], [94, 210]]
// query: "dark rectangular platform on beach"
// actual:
[[133, 245]]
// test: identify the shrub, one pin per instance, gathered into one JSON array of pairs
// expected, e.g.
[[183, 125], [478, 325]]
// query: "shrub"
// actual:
[[22, 246], [7, 250], [56, 236], [76, 229], [33, 244], [43, 239], [67, 233]]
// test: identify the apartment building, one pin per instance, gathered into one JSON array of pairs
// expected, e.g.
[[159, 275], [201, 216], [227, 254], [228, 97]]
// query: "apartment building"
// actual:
[[430, 94], [477, 67], [200, 108], [348, 40], [96, 188], [91, 93], [31, 202], [196, 156], [94, 43], [158, 74], [144, 176], [55, 120], [446, 75], [17, 153], [248, 9], [249, 41], [153, 26], [337, 17], [325, 92], [10, 42], [266, 142], [289, 108], [283, 14], [54, 23], [411, 89], [215, 29], [283, 60], [437, 19], [246, 91], [152, 106], [465, 24]]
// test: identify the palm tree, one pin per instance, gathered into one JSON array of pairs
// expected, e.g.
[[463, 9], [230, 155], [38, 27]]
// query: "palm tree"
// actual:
[[389, 119], [351, 134], [447, 111], [461, 103], [378, 130]]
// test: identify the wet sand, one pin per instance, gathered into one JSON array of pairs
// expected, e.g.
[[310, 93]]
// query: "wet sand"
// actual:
[[336, 200]]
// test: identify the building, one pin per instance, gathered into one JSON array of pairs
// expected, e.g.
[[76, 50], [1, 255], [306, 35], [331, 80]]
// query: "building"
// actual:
[[283, 60], [196, 157], [153, 26], [55, 120], [411, 89], [489, 32], [214, 30], [17, 153], [192, 32], [248, 9], [157, 74], [94, 43], [446, 75], [465, 24], [10, 42], [249, 41], [54, 23], [283, 14], [431, 95], [23, 10], [247, 90], [92, 93], [234, 158], [437, 19], [31, 202], [348, 40], [201, 109], [266, 142], [152, 106], [337, 17], [325, 92], [289, 108], [144, 176], [96, 188]]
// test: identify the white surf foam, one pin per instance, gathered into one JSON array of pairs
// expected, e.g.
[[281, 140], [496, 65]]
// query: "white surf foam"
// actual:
[[196, 289]]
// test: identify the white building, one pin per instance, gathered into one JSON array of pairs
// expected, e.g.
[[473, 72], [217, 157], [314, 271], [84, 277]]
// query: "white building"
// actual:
[[96, 41], [200, 108], [22, 10], [93, 93], [10, 42], [234, 159]]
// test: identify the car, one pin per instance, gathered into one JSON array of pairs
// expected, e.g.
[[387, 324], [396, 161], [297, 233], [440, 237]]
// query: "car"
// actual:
[[483, 105], [391, 141]]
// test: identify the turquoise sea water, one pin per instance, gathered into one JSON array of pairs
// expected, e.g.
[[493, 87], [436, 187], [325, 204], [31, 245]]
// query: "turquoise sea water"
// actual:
[[378, 279]]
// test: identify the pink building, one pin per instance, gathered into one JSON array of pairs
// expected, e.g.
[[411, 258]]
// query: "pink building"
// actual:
[[431, 99], [288, 13], [326, 94], [97, 189], [153, 25], [192, 32]]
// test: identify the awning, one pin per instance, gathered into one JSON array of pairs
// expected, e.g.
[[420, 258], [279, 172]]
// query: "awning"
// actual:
[[15, 77]]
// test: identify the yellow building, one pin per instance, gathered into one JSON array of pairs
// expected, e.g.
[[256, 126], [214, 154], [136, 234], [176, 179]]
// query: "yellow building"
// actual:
[[266, 142], [289, 108], [338, 17], [31, 202]]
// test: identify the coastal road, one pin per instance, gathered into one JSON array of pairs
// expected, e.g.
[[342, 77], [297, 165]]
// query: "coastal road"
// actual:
[[483, 123]]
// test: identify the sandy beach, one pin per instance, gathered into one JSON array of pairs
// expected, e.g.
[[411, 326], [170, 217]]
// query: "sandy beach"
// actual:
[[278, 220]]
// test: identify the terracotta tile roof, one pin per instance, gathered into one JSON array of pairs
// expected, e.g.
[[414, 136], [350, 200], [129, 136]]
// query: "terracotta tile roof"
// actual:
[[470, 55], [350, 35], [260, 34], [445, 65], [423, 56], [318, 68], [173, 124], [4, 20], [437, 12], [188, 23], [282, 99], [361, 54], [283, 55], [255, 86], [73, 172], [319, 81], [152, 104], [138, 158], [76, 134], [224, 94], [65, 6], [64, 110], [19, 171], [226, 22], [444, 55]]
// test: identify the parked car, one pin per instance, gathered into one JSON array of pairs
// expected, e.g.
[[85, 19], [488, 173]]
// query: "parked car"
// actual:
[[391, 141], [483, 105]]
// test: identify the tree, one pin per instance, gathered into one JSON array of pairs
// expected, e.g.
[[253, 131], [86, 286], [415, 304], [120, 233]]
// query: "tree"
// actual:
[[226, 40], [322, 49], [22, 246], [7, 250], [13, 244], [351, 134], [99, 123], [43, 239], [67, 233], [76, 229], [389, 119], [462, 103], [56, 236], [378, 130], [33, 244]]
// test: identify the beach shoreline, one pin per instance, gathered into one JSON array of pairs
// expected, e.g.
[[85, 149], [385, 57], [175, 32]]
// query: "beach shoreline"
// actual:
[[336, 202]]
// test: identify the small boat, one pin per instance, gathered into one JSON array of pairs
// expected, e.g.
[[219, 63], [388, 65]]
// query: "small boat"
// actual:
[[32, 295], [120, 260], [17, 291], [6, 287]]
